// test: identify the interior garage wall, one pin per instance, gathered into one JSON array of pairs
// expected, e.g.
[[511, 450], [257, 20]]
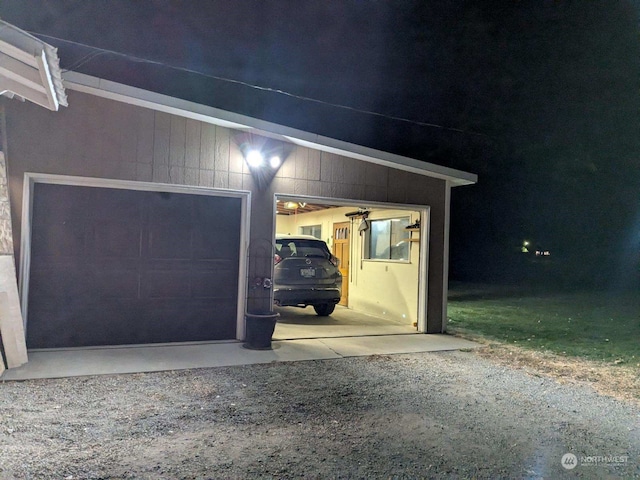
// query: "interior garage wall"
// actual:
[[290, 224], [98, 137], [381, 288], [386, 288]]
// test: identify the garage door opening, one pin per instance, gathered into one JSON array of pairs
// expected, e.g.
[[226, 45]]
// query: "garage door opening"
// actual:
[[121, 266], [382, 256]]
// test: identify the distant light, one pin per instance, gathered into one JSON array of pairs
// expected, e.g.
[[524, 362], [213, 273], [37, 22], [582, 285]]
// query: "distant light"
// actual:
[[525, 243], [275, 162], [254, 158]]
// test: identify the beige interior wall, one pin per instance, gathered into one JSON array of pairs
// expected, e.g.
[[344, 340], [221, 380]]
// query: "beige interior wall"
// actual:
[[290, 224], [387, 289]]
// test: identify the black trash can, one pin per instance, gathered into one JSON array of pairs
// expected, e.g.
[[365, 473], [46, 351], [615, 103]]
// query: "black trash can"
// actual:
[[260, 328]]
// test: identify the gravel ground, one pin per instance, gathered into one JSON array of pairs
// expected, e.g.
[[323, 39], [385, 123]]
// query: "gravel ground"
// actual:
[[428, 415]]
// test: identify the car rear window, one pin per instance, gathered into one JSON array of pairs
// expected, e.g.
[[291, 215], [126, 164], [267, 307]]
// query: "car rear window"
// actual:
[[302, 248]]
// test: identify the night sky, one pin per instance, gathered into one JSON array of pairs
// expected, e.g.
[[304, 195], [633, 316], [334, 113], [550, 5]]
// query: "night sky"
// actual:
[[541, 99]]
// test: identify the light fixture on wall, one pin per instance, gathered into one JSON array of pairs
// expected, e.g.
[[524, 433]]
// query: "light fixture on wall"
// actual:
[[254, 158], [256, 161], [263, 156], [275, 162]]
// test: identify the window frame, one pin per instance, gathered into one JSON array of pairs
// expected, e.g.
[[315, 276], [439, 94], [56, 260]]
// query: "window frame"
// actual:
[[318, 226], [366, 254]]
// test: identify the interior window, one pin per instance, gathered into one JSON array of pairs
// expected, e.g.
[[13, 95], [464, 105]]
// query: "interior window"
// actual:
[[313, 230], [389, 239]]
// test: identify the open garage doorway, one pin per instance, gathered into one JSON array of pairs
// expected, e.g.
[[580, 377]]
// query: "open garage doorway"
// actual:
[[382, 253]]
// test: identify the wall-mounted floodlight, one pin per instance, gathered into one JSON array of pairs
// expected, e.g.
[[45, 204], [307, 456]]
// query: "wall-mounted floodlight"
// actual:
[[254, 158], [275, 162], [263, 156]]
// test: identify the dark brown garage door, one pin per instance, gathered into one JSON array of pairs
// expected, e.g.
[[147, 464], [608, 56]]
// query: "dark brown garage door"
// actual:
[[113, 267]]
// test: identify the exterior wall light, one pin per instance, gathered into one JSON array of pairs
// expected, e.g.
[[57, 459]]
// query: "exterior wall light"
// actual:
[[275, 162], [254, 158], [262, 156]]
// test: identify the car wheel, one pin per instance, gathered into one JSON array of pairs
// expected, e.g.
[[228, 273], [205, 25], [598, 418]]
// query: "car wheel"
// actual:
[[324, 309]]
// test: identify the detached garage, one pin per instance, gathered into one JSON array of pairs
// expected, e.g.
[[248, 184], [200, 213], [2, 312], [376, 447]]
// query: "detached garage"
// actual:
[[136, 218]]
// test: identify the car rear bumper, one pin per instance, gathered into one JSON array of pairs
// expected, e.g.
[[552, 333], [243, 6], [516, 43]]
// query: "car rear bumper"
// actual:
[[308, 296]]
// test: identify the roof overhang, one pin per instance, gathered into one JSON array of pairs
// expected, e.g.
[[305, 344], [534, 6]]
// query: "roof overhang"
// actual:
[[29, 69], [144, 98]]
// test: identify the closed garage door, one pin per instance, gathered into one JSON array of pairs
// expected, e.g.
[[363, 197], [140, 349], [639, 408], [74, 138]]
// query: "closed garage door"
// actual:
[[112, 267]]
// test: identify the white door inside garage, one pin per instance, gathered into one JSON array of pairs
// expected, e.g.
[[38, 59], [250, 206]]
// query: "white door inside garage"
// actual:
[[114, 266]]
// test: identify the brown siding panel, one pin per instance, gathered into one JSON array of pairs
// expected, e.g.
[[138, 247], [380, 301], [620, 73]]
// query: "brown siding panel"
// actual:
[[206, 178], [288, 168], [177, 141], [314, 188], [235, 181], [300, 187], [145, 131], [236, 160], [208, 148], [221, 156], [161, 139], [192, 145], [221, 179], [144, 172], [313, 165], [301, 156]]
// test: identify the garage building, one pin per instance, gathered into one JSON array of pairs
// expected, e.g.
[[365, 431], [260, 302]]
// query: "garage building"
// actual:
[[136, 219]]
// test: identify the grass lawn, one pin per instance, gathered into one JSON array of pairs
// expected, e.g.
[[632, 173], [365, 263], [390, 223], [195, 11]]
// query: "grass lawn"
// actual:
[[591, 325]]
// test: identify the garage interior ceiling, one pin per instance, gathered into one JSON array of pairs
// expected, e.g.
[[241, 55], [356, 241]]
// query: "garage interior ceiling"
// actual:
[[286, 207]]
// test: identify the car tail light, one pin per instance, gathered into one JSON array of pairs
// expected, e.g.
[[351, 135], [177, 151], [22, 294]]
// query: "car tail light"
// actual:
[[277, 259], [334, 260]]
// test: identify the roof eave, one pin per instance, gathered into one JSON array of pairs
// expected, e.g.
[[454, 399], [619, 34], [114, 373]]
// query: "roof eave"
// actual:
[[30, 68], [136, 96]]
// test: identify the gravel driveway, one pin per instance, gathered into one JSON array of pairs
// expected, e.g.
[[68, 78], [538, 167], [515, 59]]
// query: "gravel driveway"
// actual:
[[427, 415]]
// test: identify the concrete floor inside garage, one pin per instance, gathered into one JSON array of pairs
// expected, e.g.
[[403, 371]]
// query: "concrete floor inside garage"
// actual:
[[299, 323]]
